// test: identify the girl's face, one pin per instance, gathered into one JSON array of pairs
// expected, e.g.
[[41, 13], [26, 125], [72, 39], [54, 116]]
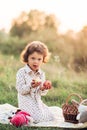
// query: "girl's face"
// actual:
[[35, 60]]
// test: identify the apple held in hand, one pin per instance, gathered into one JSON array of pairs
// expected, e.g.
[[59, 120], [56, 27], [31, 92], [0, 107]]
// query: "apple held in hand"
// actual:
[[37, 80], [47, 84]]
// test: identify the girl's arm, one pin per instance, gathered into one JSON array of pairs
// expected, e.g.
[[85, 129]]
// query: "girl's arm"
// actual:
[[22, 86]]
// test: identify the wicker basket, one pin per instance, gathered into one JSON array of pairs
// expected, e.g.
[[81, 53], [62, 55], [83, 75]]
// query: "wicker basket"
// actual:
[[70, 111]]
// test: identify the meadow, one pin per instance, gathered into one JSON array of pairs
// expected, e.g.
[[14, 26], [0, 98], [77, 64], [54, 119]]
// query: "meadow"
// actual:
[[64, 82]]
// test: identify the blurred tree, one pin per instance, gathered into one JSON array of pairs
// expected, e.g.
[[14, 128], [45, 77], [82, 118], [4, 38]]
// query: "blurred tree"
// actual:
[[20, 26], [84, 31], [3, 35], [34, 21], [80, 52]]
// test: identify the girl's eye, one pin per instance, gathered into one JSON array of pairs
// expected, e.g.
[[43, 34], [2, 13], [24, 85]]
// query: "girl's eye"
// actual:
[[39, 59], [33, 58]]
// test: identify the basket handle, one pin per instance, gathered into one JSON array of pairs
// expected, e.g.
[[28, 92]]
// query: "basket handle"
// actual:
[[84, 102], [73, 94]]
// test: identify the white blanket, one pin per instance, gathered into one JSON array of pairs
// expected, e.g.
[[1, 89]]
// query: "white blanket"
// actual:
[[6, 111]]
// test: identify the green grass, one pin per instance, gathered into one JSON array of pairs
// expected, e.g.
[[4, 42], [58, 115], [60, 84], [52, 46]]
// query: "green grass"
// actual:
[[10, 127], [64, 82]]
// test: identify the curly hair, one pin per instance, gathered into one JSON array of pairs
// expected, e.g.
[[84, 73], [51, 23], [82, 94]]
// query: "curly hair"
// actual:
[[35, 46]]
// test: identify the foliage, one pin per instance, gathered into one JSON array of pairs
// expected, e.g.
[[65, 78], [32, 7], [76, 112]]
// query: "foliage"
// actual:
[[11, 45], [9, 127], [33, 21]]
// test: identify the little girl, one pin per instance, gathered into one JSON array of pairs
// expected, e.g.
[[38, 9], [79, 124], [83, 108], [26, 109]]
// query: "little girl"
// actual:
[[31, 83]]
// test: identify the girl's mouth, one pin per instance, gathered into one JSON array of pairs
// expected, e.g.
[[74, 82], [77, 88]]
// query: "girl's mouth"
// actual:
[[35, 66]]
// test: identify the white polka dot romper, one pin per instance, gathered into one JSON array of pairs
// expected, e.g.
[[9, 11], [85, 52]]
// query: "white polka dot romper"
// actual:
[[29, 99]]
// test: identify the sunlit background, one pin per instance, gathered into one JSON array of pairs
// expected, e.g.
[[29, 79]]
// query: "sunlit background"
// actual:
[[72, 14], [24, 21]]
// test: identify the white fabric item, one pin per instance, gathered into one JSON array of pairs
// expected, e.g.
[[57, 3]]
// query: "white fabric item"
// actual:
[[59, 121], [29, 99], [6, 110]]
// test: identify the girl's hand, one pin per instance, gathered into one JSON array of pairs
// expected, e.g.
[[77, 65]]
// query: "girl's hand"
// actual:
[[35, 83], [46, 85]]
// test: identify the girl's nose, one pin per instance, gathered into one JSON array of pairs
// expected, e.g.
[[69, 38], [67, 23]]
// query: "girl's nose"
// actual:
[[36, 61]]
